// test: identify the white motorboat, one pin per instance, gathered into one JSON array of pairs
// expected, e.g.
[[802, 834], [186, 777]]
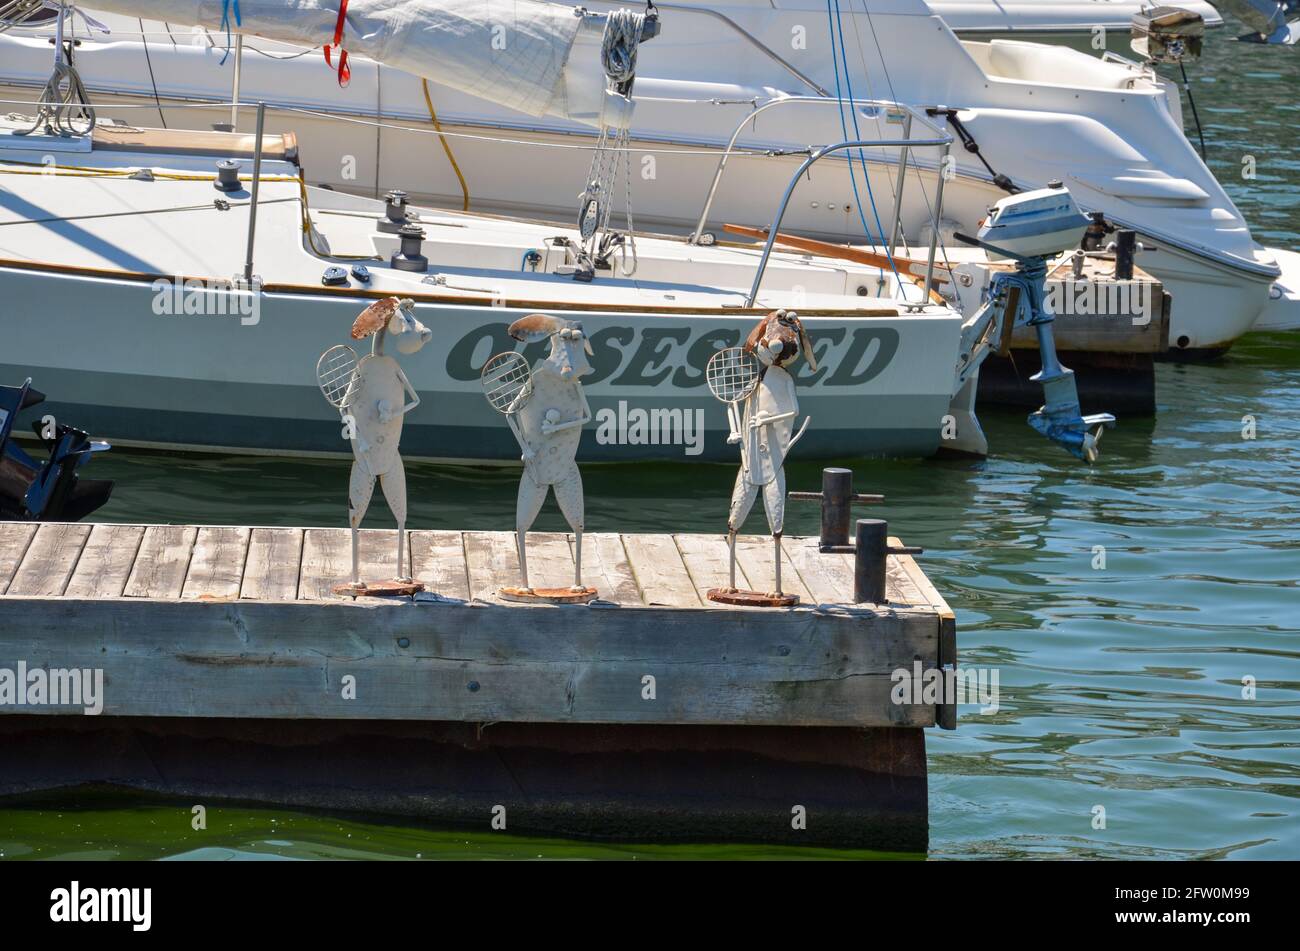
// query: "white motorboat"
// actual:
[[1081, 24], [1110, 129]]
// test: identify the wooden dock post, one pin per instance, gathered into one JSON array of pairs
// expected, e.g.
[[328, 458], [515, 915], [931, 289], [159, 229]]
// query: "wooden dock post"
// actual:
[[229, 670]]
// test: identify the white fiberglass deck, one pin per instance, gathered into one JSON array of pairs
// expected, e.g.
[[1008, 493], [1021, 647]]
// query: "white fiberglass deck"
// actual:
[[88, 211]]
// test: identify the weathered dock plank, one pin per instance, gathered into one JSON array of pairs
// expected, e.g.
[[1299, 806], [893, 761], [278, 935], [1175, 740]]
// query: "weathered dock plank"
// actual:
[[15, 537], [217, 565], [274, 562], [828, 578], [605, 565], [105, 562], [707, 559], [438, 562], [161, 562], [50, 559], [550, 560], [660, 572], [492, 563], [756, 555]]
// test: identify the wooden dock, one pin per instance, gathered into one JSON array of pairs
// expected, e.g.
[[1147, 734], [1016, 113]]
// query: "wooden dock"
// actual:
[[650, 713], [1113, 350]]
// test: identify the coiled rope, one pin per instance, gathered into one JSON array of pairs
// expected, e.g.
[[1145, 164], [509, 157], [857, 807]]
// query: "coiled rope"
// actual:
[[618, 49]]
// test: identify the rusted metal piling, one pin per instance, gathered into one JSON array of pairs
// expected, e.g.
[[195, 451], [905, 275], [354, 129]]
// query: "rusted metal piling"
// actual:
[[230, 670]]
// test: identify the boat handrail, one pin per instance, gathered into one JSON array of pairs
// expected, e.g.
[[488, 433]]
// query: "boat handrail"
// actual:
[[944, 142], [752, 40], [910, 115]]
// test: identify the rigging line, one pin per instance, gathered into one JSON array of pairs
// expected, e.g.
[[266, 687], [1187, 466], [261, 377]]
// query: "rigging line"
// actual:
[[455, 167], [884, 65], [56, 219], [153, 82], [861, 156], [1195, 115]]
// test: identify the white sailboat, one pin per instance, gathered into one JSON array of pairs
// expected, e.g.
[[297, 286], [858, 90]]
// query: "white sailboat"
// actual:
[[181, 300], [763, 74]]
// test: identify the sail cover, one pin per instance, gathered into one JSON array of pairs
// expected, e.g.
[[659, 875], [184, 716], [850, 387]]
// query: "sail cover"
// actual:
[[512, 52]]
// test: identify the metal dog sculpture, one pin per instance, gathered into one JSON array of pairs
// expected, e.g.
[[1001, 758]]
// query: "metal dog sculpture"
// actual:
[[372, 401], [546, 410], [766, 436]]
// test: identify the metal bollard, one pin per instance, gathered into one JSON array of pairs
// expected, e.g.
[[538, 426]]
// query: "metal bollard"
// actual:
[[837, 499], [1125, 248], [869, 553]]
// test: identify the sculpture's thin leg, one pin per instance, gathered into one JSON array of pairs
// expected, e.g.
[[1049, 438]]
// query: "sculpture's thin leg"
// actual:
[[777, 538], [393, 483], [361, 486], [568, 494], [577, 559], [731, 545], [531, 497]]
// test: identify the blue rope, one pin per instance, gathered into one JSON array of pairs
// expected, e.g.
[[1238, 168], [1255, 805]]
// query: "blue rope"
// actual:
[[225, 24], [832, 21]]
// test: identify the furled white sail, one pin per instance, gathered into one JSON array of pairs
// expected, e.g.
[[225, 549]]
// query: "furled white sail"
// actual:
[[519, 53]]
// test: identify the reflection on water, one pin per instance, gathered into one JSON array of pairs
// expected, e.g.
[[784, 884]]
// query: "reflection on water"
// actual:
[[1121, 687]]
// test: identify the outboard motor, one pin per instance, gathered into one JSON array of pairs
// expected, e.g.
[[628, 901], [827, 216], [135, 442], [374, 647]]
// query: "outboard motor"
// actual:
[[51, 491], [1167, 34], [1030, 228]]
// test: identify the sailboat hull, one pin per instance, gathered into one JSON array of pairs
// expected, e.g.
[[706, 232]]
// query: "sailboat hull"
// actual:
[[219, 382]]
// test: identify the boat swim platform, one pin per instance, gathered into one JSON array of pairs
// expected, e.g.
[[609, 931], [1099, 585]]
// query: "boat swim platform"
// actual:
[[649, 714]]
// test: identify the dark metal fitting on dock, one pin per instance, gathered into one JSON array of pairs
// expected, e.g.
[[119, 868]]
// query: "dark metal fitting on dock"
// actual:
[[869, 553], [837, 499], [227, 176], [1125, 248], [409, 257], [394, 212]]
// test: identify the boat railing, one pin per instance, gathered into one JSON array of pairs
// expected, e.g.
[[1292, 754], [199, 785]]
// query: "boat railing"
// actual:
[[891, 111], [752, 40], [905, 114]]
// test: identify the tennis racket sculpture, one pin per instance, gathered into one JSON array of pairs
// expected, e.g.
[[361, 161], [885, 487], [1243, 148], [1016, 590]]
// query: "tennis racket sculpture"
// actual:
[[371, 397], [761, 407], [546, 409]]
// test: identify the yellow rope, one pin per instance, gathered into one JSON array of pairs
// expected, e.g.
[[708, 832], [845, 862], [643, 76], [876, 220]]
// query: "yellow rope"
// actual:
[[428, 101]]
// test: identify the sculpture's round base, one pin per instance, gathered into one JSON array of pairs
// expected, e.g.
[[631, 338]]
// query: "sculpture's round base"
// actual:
[[395, 588], [549, 595], [752, 599]]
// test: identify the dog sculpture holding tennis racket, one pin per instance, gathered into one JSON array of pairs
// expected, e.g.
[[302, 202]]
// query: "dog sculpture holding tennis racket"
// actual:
[[371, 395], [756, 375], [546, 410]]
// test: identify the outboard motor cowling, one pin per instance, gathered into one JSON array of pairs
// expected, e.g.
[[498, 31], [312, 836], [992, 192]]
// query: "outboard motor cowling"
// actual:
[[49, 491]]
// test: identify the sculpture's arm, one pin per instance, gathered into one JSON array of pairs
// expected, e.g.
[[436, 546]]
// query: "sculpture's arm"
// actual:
[[584, 417], [528, 454]]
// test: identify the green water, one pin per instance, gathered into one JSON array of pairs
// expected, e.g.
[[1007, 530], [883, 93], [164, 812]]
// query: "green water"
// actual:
[[1120, 687]]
